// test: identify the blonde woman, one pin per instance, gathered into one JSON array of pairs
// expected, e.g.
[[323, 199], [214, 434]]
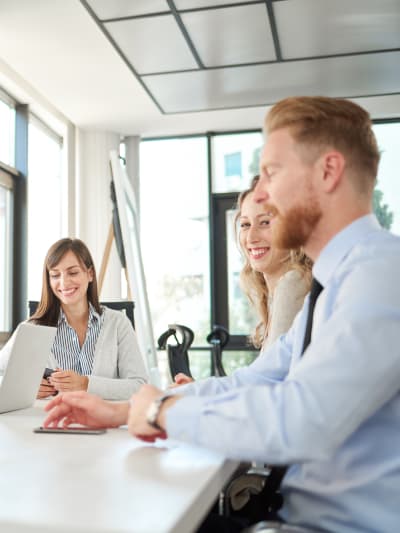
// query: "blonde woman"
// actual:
[[275, 281]]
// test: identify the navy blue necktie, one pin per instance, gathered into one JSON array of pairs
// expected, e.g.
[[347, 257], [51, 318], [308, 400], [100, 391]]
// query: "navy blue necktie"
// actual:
[[315, 291]]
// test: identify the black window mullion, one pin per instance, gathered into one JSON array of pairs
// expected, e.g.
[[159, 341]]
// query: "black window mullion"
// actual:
[[221, 203], [219, 263]]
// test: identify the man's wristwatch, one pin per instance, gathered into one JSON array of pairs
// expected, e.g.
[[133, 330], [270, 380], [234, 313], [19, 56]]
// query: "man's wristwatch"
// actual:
[[154, 410]]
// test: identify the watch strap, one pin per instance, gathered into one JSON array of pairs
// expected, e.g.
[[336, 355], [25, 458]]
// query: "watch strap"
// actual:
[[154, 410]]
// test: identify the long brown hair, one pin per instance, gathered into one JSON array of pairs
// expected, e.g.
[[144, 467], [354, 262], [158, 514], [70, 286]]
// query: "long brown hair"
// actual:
[[48, 309], [254, 284]]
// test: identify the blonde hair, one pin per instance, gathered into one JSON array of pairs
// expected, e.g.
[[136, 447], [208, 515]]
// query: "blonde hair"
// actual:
[[319, 122], [253, 283]]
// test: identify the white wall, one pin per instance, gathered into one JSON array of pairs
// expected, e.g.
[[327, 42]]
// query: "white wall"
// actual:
[[93, 203]]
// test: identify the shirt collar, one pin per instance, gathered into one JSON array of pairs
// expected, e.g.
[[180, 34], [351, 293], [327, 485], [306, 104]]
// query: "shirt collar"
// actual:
[[340, 245], [93, 316], [61, 317]]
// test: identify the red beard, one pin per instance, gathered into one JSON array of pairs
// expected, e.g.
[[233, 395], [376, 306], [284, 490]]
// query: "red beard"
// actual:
[[293, 230]]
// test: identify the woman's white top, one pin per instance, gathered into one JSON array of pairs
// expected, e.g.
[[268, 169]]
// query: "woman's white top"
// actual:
[[287, 301]]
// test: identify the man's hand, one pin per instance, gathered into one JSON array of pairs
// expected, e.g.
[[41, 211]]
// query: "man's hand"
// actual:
[[45, 389], [140, 403], [68, 380], [86, 409]]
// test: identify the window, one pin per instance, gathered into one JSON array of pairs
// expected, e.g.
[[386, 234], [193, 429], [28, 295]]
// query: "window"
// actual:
[[235, 160], [176, 239], [178, 243], [233, 165], [45, 206], [6, 186], [7, 149], [387, 191], [7, 129], [174, 224]]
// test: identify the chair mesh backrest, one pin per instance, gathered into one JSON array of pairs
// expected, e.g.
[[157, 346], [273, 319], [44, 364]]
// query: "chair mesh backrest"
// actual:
[[178, 357]]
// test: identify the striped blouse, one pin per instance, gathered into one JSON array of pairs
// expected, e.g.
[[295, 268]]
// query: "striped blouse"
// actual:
[[66, 350]]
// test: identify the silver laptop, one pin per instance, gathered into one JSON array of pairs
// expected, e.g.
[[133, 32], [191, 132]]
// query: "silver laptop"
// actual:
[[29, 354]]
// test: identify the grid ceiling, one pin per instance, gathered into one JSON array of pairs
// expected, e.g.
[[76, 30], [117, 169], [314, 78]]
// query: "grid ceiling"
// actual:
[[201, 55]]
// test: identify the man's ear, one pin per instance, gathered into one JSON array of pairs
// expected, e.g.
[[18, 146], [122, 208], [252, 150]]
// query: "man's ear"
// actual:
[[333, 164]]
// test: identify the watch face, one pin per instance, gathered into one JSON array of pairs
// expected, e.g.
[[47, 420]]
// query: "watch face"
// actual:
[[152, 412]]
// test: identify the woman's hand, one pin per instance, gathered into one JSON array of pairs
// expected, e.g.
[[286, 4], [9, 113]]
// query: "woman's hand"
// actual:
[[86, 409], [181, 379], [68, 380], [45, 389]]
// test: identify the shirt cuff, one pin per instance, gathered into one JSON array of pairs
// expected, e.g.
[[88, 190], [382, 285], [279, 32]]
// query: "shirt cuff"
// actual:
[[182, 418]]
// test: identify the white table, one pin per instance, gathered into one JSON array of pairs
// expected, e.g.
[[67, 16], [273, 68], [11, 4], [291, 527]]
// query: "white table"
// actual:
[[101, 483]]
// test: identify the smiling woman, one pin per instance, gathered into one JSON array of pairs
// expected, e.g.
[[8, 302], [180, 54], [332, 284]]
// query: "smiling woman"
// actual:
[[95, 348], [275, 280]]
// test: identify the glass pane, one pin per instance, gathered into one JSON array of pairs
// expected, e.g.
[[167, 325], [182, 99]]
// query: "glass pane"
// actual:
[[174, 225], [7, 133], [45, 207], [232, 360], [235, 160], [200, 361], [387, 191], [242, 316], [5, 258]]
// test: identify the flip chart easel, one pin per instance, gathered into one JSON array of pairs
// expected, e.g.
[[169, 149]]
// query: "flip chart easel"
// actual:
[[125, 232], [114, 234]]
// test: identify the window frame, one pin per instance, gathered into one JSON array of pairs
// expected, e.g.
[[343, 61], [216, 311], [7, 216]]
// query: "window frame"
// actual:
[[7, 179], [218, 291], [218, 202], [7, 99]]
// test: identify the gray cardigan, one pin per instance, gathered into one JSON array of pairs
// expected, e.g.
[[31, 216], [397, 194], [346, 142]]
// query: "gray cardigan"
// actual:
[[118, 367]]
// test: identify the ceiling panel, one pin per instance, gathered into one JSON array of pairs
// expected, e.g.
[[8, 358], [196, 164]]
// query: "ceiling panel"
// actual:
[[193, 4], [348, 76], [308, 28], [55, 58], [231, 35], [109, 9], [221, 54], [153, 44]]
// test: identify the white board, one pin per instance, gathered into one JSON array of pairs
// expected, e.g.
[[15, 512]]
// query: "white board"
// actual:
[[128, 218]]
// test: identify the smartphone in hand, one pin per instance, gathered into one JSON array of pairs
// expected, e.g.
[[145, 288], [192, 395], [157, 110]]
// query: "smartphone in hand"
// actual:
[[48, 372]]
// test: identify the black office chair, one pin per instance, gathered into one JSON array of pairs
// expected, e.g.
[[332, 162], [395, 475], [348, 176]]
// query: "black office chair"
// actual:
[[178, 358], [218, 338], [126, 306]]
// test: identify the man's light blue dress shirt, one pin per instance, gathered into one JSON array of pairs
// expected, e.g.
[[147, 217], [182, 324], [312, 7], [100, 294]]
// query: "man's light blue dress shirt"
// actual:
[[333, 414]]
